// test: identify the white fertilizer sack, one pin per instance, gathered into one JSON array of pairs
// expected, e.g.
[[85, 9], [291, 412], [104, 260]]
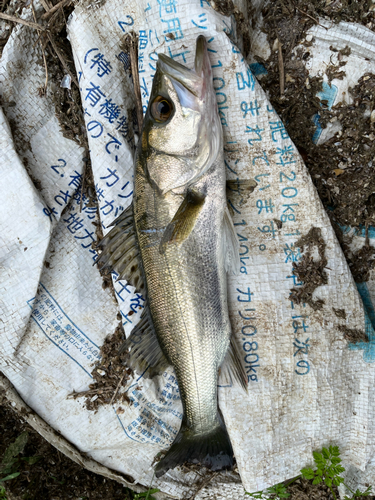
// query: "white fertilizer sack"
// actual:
[[308, 387]]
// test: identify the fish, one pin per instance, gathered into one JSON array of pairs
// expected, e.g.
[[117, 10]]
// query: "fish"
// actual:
[[175, 244]]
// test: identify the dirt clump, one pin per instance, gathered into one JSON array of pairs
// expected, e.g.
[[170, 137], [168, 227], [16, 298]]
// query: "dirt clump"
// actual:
[[309, 270], [353, 335], [110, 375], [340, 313]]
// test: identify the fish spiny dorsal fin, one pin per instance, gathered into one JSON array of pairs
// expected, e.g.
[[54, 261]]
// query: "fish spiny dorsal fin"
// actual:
[[232, 369], [144, 348], [119, 251]]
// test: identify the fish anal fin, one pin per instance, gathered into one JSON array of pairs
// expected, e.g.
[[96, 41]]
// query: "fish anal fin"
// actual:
[[230, 245], [144, 349], [119, 251], [232, 369], [184, 219]]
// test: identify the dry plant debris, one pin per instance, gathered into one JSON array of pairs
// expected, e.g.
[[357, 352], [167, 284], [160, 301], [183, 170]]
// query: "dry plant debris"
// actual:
[[309, 270], [110, 375]]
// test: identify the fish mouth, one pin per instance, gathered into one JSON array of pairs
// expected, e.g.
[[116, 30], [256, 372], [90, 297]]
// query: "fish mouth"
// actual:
[[188, 78]]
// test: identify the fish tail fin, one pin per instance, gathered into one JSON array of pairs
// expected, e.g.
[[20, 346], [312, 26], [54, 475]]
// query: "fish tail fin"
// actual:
[[211, 449]]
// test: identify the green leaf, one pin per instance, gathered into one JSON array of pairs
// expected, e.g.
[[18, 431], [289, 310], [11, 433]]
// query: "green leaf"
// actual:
[[335, 451], [7, 469], [15, 448], [319, 472], [328, 481], [359, 494], [256, 494], [31, 460], [279, 490], [337, 480], [317, 480], [335, 460], [3, 493], [325, 453], [307, 473], [11, 476], [330, 472], [146, 494], [317, 456]]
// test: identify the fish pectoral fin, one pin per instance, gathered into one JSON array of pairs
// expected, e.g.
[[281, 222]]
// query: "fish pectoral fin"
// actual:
[[184, 219], [232, 369], [145, 351], [120, 252], [238, 190], [230, 245]]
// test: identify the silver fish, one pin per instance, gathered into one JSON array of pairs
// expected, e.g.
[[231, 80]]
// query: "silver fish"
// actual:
[[175, 244]]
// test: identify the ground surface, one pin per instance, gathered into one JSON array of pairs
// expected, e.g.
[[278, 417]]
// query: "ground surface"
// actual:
[[46, 474], [341, 170]]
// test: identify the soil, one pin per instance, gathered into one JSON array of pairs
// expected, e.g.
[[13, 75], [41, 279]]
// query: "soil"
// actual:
[[342, 167], [341, 170], [309, 270], [53, 476]]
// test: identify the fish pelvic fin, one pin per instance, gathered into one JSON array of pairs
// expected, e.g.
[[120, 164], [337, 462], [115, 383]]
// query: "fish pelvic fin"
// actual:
[[119, 251], [211, 449]]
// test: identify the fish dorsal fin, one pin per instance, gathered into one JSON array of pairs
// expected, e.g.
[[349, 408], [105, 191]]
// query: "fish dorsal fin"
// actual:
[[230, 245], [238, 190], [120, 252], [184, 219], [232, 369], [144, 348]]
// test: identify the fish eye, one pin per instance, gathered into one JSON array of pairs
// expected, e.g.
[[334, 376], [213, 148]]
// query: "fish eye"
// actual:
[[161, 109]]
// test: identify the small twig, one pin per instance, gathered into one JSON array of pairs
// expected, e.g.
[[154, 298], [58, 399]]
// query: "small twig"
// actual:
[[281, 67], [56, 7], [43, 54], [367, 239], [49, 25], [82, 187], [313, 18], [203, 485], [132, 41], [117, 388], [101, 390], [307, 15], [62, 60], [14, 19], [45, 5]]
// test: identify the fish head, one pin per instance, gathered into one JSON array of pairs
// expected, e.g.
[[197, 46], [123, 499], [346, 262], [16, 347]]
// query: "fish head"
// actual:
[[182, 130]]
